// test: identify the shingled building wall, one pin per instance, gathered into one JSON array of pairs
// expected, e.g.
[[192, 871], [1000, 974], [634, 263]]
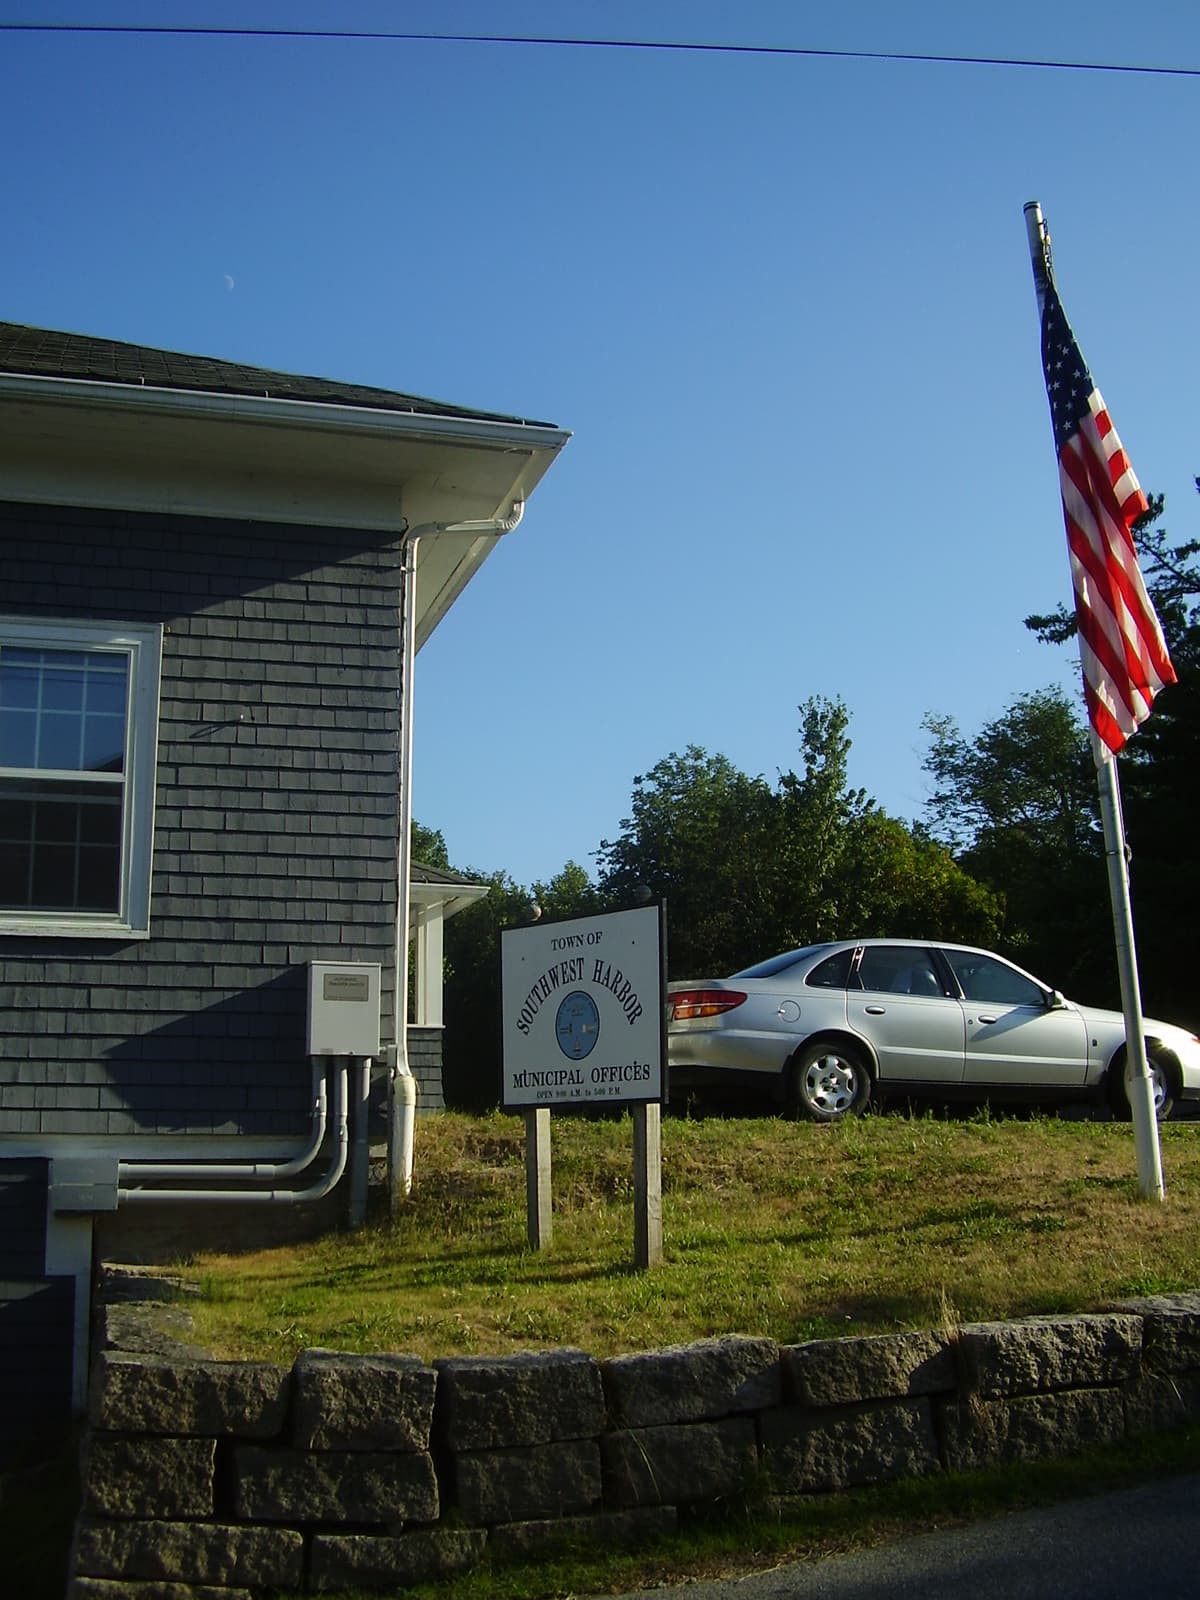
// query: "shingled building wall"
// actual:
[[275, 830]]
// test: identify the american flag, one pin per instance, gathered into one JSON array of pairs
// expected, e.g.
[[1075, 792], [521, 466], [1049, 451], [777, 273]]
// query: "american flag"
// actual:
[[1121, 644]]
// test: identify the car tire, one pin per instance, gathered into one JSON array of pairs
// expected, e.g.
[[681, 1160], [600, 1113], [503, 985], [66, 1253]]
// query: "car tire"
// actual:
[[1163, 1078], [828, 1082]]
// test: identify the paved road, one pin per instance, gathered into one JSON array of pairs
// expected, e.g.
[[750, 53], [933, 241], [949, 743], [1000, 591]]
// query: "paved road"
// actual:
[[1142, 1543]]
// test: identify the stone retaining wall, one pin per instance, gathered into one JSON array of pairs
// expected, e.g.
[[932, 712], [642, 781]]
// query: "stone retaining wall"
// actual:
[[206, 1479]]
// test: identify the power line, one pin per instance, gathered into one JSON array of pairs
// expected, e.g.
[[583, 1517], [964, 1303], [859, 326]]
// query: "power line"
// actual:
[[683, 46]]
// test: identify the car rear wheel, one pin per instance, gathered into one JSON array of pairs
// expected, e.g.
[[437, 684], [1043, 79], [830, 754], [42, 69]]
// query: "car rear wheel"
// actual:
[[1163, 1087], [828, 1082]]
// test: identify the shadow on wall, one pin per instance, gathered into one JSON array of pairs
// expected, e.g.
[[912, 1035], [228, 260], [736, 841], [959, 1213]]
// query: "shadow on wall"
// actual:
[[237, 1066]]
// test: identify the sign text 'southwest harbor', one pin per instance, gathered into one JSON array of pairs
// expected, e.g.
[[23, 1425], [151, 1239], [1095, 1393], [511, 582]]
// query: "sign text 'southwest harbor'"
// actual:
[[553, 978], [572, 972], [583, 1009], [619, 986]]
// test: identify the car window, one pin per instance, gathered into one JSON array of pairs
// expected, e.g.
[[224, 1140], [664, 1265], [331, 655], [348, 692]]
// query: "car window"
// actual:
[[831, 973], [984, 978], [776, 964], [898, 969]]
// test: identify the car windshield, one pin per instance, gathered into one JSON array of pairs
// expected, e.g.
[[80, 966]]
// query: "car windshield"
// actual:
[[776, 964]]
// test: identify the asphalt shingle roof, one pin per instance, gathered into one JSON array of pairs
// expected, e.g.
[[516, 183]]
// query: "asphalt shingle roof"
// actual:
[[423, 874], [46, 353]]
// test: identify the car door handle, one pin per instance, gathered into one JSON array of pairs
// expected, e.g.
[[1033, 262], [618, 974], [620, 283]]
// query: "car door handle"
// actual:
[[989, 1019], [875, 1011]]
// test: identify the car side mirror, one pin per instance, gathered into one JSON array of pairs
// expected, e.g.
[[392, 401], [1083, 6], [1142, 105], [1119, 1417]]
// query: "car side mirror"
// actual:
[[1055, 1000]]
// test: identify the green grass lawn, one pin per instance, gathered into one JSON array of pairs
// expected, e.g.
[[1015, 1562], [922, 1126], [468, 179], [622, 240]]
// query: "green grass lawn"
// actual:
[[770, 1227], [782, 1229]]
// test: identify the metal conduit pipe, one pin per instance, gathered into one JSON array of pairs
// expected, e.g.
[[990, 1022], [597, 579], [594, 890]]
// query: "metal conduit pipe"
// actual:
[[402, 1087], [317, 1191], [319, 1117]]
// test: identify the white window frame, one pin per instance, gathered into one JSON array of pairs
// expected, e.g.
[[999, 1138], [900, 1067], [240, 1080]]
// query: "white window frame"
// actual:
[[141, 643]]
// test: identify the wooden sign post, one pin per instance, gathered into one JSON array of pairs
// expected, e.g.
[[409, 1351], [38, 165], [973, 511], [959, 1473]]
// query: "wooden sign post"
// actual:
[[585, 1024], [647, 1186], [540, 1221]]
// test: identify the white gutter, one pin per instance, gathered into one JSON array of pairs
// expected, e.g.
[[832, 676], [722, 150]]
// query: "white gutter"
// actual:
[[322, 415], [403, 1095]]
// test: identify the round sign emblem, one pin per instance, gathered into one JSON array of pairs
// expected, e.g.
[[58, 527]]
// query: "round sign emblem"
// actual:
[[577, 1025]]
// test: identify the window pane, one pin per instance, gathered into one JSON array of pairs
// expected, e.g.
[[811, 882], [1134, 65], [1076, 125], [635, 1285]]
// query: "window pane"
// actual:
[[58, 742], [103, 744], [57, 822], [76, 791], [100, 822], [62, 686], [60, 846], [16, 819], [885, 968], [831, 973], [63, 710], [19, 680], [899, 969], [18, 738], [776, 964], [99, 879], [54, 876], [983, 978], [106, 689], [14, 874], [104, 707]]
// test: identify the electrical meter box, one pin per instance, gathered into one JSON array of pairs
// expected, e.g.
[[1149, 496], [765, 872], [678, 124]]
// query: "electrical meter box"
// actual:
[[343, 1008]]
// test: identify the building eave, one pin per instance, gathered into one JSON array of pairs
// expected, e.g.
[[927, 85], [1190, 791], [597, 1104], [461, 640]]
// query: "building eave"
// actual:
[[322, 416], [263, 460]]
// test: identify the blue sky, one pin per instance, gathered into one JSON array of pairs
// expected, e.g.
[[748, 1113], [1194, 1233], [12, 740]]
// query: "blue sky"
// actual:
[[783, 304]]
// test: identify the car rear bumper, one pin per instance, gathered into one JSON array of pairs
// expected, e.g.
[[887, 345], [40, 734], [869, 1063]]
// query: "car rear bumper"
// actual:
[[740, 1050]]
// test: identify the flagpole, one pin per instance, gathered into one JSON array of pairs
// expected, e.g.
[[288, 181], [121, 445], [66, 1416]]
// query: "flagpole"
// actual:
[[1141, 1092], [1141, 1089]]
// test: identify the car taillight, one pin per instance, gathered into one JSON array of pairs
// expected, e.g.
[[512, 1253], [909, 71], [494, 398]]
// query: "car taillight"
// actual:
[[688, 1004]]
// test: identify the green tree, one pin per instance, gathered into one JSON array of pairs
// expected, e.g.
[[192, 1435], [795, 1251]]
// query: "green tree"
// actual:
[[471, 1042], [1017, 803], [698, 833], [901, 884], [817, 827], [1159, 769], [569, 893], [1029, 771], [749, 869], [429, 847], [746, 867]]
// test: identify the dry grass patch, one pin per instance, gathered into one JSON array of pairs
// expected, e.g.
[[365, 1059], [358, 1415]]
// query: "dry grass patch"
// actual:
[[774, 1228]]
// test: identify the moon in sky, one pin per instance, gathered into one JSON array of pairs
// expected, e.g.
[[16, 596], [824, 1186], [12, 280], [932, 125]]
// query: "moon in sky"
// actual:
[[228, 281]]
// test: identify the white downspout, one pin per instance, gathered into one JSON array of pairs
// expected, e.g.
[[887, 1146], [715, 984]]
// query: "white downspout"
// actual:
[[402, 1084]]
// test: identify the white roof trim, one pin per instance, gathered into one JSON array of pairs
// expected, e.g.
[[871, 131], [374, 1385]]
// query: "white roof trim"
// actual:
[[452, 897], [321, 415]]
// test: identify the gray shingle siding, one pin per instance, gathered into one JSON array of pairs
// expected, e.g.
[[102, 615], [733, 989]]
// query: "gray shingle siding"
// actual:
[[425, 1064], [275, 826]]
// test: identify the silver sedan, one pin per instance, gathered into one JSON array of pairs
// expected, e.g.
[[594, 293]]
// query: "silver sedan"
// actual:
[[831, 1026]]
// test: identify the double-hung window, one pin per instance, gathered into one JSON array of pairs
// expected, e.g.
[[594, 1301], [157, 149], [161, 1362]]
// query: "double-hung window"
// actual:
[[78, 743]]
